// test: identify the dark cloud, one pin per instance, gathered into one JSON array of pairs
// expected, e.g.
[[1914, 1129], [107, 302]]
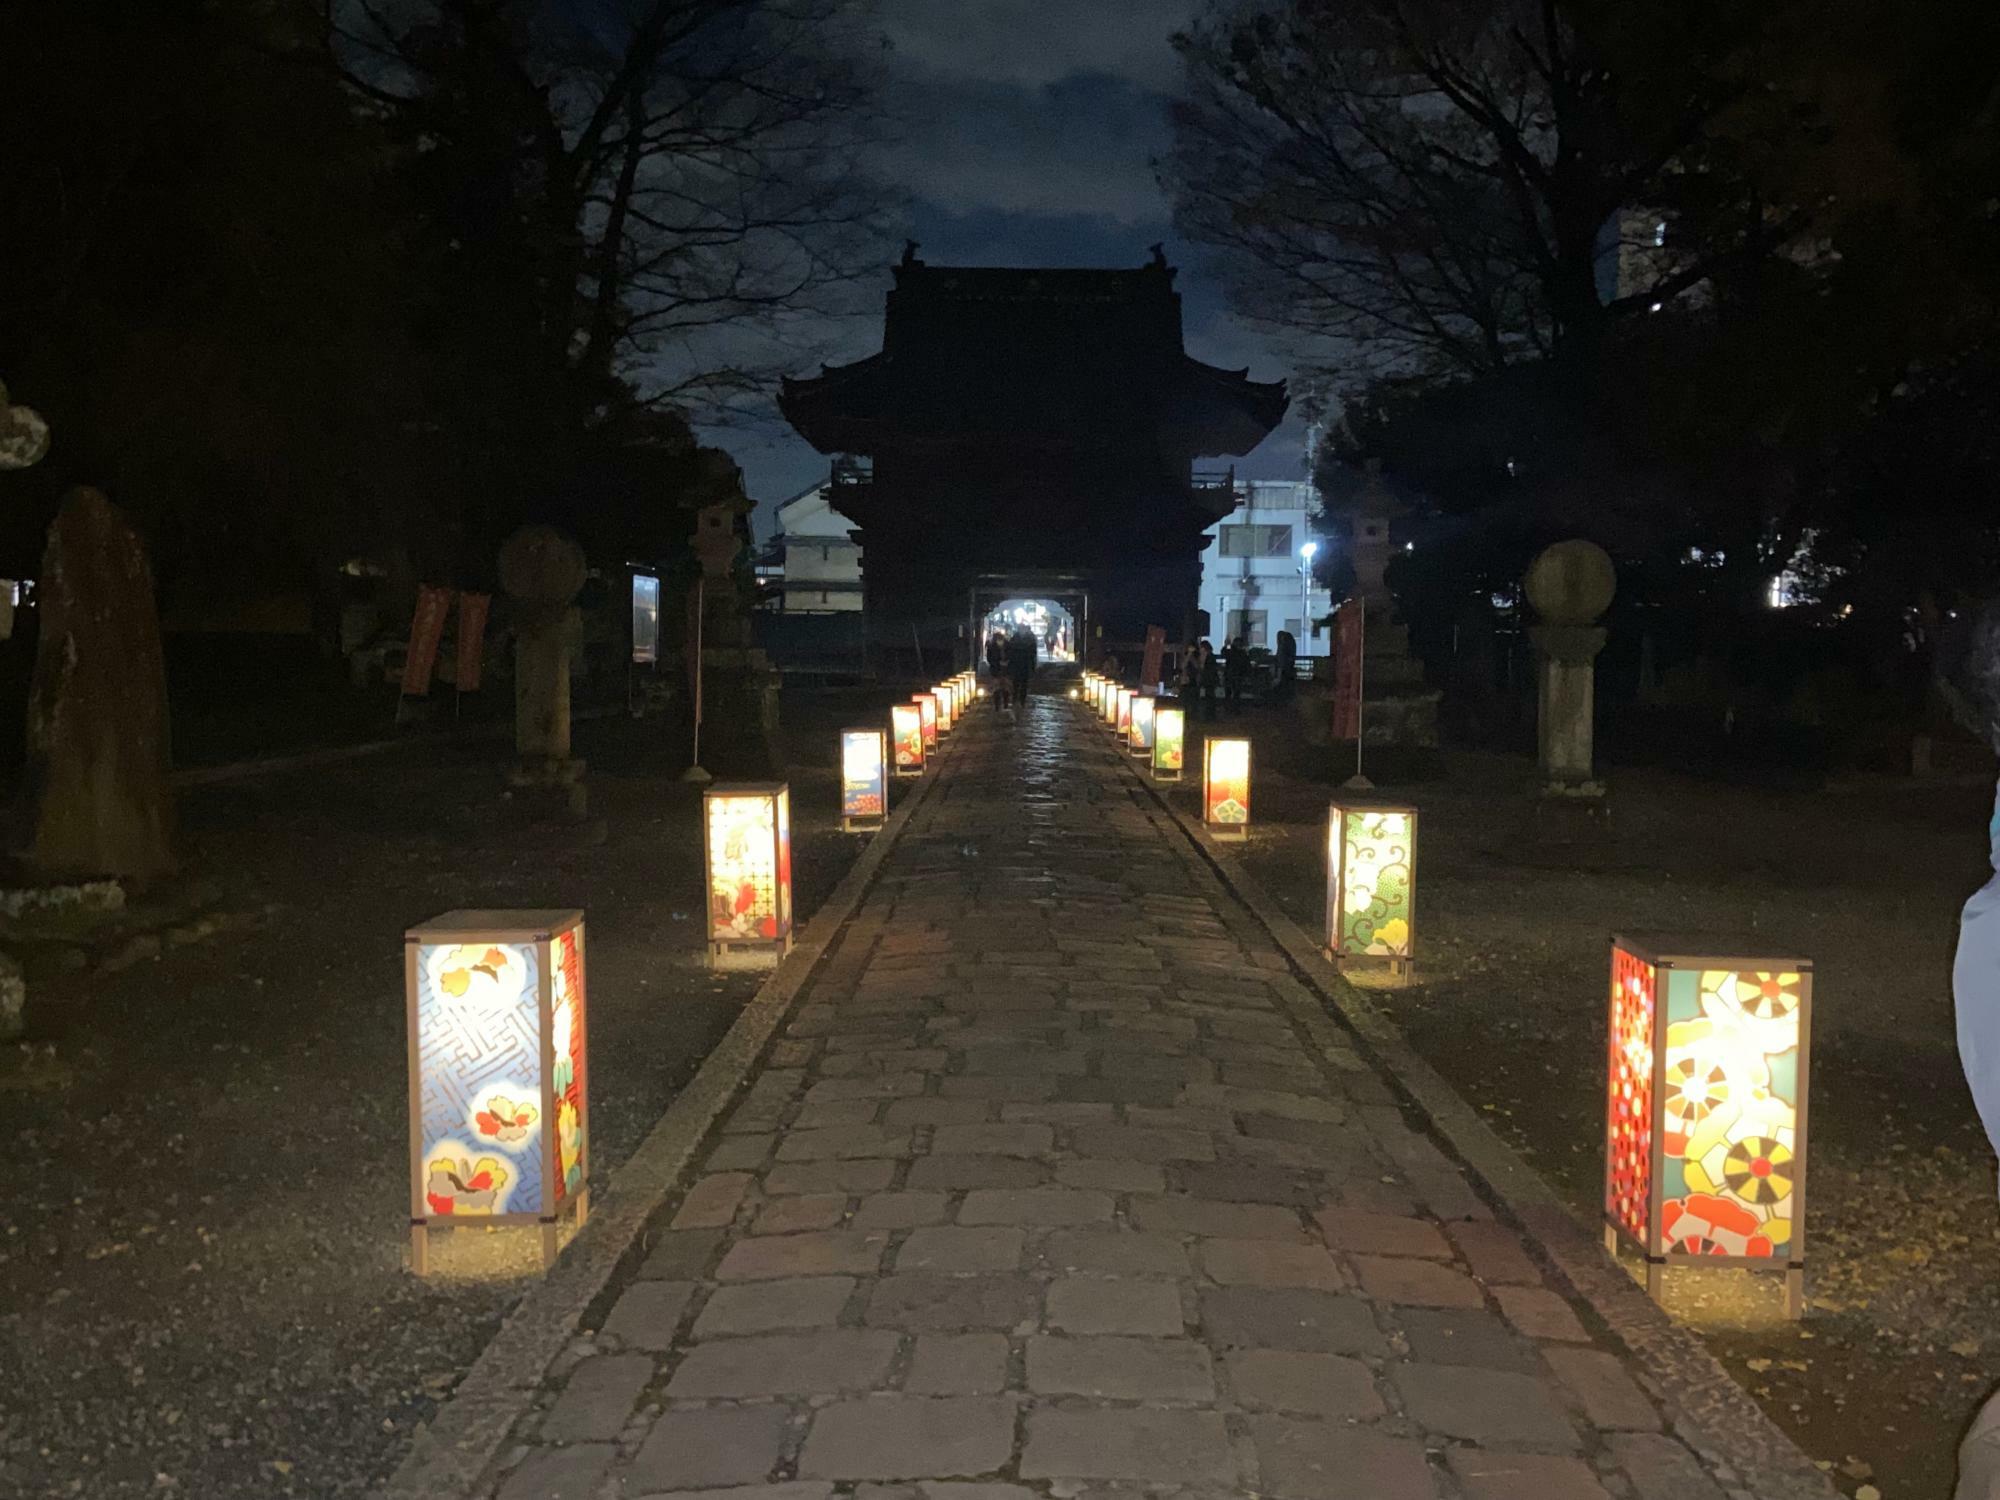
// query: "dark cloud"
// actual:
[[1031, 43]]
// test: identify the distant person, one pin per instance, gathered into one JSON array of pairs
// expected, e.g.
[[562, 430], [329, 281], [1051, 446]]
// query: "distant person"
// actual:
[[1189, 680], [1288, 667], [1023, 654], [1235, 668], [1208, 672], [996, 666]]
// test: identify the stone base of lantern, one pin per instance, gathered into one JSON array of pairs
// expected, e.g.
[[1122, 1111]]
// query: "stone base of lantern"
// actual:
[[550, 789], [740, 957]]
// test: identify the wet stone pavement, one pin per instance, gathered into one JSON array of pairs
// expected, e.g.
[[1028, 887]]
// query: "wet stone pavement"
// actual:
[[1052, 1185]]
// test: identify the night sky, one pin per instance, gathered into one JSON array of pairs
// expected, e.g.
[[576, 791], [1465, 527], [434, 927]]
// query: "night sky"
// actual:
[[1027, 138]]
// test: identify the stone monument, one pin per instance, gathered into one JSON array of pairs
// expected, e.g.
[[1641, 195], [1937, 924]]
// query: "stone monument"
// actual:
[[542, 571], [1570, 585], [739, 687], [1397, 708], [96, 780]]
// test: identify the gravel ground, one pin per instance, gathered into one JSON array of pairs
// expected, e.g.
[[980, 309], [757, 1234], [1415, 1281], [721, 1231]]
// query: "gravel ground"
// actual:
[[203, 1202], [1902, 1339]]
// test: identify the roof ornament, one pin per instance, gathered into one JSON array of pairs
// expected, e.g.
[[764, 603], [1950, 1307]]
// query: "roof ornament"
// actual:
[[910, 253], [1159, 254]]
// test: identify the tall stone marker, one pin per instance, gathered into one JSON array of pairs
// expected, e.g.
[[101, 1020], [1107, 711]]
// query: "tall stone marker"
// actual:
[[543, 571], [1570, 585], [98, 749]]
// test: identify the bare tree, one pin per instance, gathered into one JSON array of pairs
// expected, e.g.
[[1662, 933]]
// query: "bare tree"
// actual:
[[666, 188], [1443, 187]]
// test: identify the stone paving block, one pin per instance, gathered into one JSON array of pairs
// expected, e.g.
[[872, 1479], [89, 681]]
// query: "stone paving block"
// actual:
[[1299, 1132], [1201, 1120], [947, 1490], [1321, 1385], [1036, 1063], [892, 1060], [1371, 1194], [1264, 1102], [900, 1210], [797, 1215], [796, 1490], [829, 1177], [905, 1113], [1155, 1067], [1160, 1445], [1120, 1369], [958, 1364], [1234, 1182], [909, 1437], [825, 1114], [1314, 1460], [766, 1306], [1102, 1175], [938, 1302], [824, 1362], [1264, 1151], [993, 1140], [682, 1254], [1097, 1304], [1057, 1112], [598, 1400], [1660, 1468], [873, 1086], [1495, 1253], [1115, 1253], [1175, 1214], [1300, 1078], [843, 1143], [1021, 1090], [1116, 1091], [719, 1446], [1133, 1143], [1269, 1263], [1540, 1313], [1466, 1336], [957, 1249], [833, 1252], [793, 1054], [954, 1174], [1359, 1233], [1608, 1396], [711, 1203], [1248, 1317], [1416, 1283], [1485, 1475], [647, 1313], [866, 1041], [571, 1473], [1491, 1407], [740, 1152], [1052, 1207]]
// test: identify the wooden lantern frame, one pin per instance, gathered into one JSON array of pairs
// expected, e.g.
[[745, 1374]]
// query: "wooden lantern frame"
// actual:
[[1139, 736], [1233, 831], [1342, 948], [853, 820], [1162, 772], [906, 723]]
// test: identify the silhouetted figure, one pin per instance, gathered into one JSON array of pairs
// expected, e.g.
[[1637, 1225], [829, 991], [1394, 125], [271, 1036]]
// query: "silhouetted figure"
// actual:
[[1022, 655], [1209, 673], [1235, 668], [996, 666], [1288, 667]]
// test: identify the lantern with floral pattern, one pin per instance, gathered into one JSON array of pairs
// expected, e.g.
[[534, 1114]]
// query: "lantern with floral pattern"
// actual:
[[747, 841]]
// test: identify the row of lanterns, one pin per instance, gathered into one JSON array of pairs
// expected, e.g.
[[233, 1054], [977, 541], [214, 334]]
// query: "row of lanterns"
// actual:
[[1709, 1052]]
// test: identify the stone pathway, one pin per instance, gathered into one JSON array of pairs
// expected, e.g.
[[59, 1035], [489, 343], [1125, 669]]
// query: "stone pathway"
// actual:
[[1054, 1186]]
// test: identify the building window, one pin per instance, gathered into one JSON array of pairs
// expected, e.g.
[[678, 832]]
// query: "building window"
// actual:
[[1248, 623], [1256, 541]]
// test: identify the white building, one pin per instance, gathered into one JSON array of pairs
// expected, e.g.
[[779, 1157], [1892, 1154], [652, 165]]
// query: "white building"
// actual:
[[1254, 578], [821, 561]]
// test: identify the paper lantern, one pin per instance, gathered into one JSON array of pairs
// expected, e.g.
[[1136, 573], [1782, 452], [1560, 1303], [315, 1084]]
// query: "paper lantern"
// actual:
[[927, 711], [1107, 702], [1141, 735], [499, 1105], [947, 697], [1705, 1119], [1225, 787], [906, 730], [747, 844], [1123, 723], [864, 780], [1169, 742], [1371, 883]]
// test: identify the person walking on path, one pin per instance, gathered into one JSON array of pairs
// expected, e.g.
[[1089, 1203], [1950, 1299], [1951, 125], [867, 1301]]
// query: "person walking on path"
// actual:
[[1022, 654], [1288, 667], [1235, 667], [1208, 672], [996, 664]]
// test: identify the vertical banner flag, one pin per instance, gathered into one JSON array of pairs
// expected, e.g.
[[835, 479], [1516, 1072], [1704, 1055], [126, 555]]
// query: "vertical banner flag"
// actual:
[[1347, 671], [472, 612], [426, 632], [1156, 650]]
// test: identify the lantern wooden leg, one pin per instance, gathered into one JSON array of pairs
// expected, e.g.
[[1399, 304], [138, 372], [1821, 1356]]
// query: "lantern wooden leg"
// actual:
[[582, 1207], [1610, 1242], [1656, 1279], [420, 1249], [548, 1243], [1795, 1292]]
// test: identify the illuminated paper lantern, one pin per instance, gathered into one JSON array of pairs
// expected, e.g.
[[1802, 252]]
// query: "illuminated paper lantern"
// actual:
[[947, 707], [864, 780], [1141, 738], [1225, 787], [1123, 723], [1107, 702], [906, 731], [1705, 1120], [927, 713], [1169, 742], [747, 848], [1371, 883], [499, 1104]]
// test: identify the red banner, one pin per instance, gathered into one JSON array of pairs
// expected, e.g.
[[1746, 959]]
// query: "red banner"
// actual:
[[1156, 650], [1347, 631], [472, 611], [426, 631]]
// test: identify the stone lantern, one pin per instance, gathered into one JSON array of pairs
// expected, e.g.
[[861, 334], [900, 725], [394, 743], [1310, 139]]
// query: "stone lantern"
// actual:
[[543, 571], [1570, 585]]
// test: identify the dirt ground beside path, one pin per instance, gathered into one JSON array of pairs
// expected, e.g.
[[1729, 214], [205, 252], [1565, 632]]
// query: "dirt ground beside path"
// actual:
[[1902, 1338], [203, 1194]]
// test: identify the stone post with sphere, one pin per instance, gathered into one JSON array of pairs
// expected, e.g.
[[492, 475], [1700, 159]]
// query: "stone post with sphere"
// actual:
[[543, 571], [1570, 585]]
